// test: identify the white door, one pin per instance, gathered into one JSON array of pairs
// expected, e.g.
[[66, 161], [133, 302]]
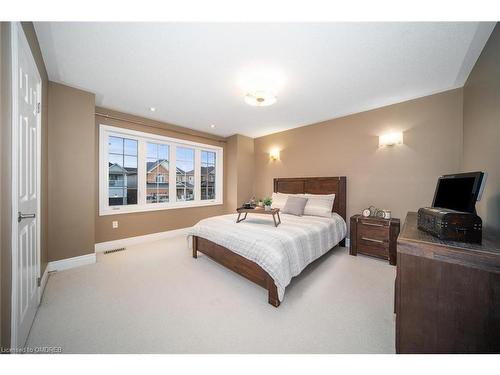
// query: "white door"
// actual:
[[26, 85]]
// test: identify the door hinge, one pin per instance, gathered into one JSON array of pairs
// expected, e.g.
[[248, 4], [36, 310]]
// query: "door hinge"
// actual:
[[38, 107], [39, 281]]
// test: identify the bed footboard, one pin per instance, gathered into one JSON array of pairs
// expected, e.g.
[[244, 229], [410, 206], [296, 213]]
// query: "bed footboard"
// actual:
[[236, 263]]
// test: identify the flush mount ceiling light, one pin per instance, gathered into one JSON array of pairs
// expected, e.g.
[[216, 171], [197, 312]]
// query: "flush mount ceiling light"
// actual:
[[260, 98], [260, 84], [152, 109], [212, 126]]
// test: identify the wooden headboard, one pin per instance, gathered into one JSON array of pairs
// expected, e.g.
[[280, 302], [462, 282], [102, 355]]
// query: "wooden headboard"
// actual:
[[316, 185]]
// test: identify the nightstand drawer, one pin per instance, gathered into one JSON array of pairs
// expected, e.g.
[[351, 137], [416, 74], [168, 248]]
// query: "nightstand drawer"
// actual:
[[374, 231], [375, 247]]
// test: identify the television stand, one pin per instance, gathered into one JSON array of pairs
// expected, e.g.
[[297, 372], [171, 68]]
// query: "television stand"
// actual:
[[447, 294]]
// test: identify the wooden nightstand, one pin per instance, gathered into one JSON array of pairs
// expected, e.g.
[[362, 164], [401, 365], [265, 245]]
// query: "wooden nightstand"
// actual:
[[374, 236]]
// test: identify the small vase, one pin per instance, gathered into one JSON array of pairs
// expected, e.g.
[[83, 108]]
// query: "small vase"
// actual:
[[267, 208]]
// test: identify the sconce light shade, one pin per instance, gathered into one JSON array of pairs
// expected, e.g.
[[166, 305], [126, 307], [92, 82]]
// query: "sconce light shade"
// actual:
[[274, 154], [390, 139]]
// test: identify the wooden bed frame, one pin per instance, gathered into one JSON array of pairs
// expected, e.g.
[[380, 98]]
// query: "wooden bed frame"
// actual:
[[251, 270]]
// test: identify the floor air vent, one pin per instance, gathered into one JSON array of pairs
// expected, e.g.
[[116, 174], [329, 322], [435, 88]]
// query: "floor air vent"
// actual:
[[114, 250]]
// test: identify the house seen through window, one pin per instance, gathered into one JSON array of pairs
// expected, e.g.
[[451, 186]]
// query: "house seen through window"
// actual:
[[122, 171], [207, 180], [157, 172], [185, 174]]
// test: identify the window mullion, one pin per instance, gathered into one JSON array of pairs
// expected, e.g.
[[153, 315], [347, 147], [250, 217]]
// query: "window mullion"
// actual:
[[219, 178], [197, 175], [172, 179], [105, 170], [141, 171]]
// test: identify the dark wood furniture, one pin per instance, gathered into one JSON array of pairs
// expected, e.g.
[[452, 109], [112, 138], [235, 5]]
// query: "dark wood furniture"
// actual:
[[447, 294], [235, 262], [317, 185], [259, 210], [374, 236], [251, 270]]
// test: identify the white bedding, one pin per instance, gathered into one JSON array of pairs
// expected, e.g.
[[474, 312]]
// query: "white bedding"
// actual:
[[283, 252]]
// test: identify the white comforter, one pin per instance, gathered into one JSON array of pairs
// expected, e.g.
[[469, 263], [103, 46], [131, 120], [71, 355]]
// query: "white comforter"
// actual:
[[283, 252]]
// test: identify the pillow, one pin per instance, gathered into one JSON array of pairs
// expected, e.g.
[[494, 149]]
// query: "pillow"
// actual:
[[279, 199], [319, 204], [295, 206]]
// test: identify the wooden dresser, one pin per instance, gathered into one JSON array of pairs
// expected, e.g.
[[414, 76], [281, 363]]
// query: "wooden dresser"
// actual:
[[374, 236], [447, 294]]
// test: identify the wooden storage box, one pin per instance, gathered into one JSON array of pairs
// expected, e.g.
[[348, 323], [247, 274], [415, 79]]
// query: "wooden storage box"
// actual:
[[450, 225]]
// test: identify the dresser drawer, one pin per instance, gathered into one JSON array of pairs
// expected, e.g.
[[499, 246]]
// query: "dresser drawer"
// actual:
[[375, 247], [373, 230]]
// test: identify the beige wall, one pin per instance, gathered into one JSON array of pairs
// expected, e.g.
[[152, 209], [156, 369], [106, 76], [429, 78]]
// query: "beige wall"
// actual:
[[240, 170], [231, 155], [71, 179], [400, 178], [246, 164], [137, 224], [482, 128], [5, 253]]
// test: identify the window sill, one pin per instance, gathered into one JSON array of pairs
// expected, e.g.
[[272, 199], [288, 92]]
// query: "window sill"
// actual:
[[158, 207]]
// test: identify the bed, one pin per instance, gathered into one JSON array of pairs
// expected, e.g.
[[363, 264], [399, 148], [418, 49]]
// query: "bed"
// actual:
[[270, 256]]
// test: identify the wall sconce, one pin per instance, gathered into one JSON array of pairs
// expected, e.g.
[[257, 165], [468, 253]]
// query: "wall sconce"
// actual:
[[390, 139], [274, 154]]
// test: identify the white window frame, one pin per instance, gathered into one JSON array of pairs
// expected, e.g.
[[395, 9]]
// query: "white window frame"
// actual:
[[142, 137]]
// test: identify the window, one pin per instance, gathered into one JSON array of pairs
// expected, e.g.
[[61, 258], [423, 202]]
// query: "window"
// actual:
[[208, 172], [185, 174], [135, 172], [157, 171], [122, 171]]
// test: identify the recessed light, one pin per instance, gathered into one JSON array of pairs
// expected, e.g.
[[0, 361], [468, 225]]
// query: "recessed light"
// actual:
[[152, 109], [212, 126]]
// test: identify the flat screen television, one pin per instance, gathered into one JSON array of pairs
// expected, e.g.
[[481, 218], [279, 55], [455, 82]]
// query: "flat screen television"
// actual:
[[459, 191]]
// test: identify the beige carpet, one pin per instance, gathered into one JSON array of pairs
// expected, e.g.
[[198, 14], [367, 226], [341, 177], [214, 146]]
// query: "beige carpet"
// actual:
[[155, 298]]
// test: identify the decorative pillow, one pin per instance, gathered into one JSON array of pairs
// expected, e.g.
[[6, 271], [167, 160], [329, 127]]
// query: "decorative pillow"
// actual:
[[279, 199], [295, 206], [319, 204]]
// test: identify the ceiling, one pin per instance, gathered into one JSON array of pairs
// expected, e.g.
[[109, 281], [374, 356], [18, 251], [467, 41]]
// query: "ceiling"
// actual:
[[197, 74]]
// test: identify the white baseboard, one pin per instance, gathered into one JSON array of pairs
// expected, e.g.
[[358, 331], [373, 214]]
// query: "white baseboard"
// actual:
[[43, 281], [68, 263], [124, 242]]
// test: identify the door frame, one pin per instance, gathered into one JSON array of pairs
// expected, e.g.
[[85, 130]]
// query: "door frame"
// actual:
[[16, 33]]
